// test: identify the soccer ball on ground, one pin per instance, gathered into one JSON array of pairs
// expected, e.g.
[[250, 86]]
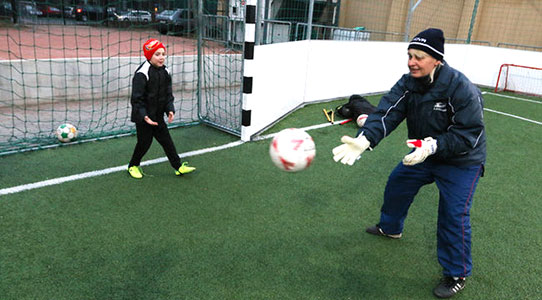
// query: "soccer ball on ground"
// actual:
[[292, 150], [361, 120], [66, 132]]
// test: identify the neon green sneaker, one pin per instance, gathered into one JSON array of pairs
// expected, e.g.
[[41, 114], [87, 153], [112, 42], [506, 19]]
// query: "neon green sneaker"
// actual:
[[184, 169], [135, 172]]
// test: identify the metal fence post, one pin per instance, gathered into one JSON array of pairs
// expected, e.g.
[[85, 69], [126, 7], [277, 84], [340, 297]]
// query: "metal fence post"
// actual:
[[258, 28], [472, 20], [411, 9], [200, 56], [309, 21]]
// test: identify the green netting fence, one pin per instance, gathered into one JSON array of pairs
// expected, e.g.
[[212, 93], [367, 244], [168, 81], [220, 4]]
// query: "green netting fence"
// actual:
[[64, 62], [72, 61]]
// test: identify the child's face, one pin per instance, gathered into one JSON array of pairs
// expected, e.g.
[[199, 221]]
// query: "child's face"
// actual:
[[159, 57]]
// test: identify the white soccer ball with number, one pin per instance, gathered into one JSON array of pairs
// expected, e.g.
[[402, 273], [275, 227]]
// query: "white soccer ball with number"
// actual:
[[66, 132], [292, 150]]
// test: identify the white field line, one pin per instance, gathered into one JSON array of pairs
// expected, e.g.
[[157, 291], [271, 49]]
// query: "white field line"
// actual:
[[513, 116], [512, 97], [510, 115], [40, 184]]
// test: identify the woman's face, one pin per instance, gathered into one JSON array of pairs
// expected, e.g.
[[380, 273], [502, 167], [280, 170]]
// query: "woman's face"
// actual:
[[420, 63]]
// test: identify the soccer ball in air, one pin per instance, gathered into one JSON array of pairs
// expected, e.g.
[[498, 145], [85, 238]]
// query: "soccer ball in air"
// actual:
[[66, 132], [292, 150]]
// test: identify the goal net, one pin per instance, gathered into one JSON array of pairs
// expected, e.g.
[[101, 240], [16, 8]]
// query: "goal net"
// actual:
[[77, 68], [519, 79]]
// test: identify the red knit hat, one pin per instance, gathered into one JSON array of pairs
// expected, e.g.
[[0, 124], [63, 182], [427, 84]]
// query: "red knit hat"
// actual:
[[151, 46]]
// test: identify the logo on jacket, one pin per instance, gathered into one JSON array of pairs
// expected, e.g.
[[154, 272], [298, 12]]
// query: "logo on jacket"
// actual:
[[440, 106]]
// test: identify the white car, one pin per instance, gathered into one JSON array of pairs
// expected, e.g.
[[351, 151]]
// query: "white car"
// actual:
[[136, 16]]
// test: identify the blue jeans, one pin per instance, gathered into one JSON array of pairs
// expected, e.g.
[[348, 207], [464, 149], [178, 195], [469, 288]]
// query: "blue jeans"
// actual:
[[456, 187]]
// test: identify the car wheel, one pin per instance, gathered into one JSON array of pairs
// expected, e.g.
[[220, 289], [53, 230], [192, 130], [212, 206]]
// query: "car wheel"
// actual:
[[84, 18]]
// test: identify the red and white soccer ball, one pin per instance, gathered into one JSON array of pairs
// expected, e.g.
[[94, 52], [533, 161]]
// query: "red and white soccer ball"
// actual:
[[66, 132], [361, 120], [292, 150]]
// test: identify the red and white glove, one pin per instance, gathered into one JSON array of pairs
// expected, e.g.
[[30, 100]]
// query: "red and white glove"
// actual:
[[349, 152], [424, 148]]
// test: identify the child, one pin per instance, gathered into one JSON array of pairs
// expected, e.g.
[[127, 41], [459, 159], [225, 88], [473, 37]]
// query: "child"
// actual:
[[152, 98]]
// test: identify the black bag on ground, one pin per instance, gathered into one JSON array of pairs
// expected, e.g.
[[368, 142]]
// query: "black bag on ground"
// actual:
[[356, 106]]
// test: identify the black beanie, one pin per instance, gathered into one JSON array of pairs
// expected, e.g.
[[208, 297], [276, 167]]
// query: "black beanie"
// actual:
[[430, 41]]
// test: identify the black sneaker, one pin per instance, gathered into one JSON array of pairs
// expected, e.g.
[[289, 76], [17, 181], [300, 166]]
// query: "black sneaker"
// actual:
[[449, 286], [378, 231]]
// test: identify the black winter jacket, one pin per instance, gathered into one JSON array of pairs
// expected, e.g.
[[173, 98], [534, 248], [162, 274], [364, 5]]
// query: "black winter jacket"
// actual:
[[450, 110], [151, 93]]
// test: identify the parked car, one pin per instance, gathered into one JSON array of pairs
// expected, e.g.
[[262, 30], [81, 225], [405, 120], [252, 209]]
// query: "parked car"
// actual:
[[50, 11], [135, 16], [6, 11], [90, 12], [179, 21], [113, 14], [69, 12], [28, 8]]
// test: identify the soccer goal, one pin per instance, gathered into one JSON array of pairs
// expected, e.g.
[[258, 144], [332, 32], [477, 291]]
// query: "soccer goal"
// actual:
[[519, 79]]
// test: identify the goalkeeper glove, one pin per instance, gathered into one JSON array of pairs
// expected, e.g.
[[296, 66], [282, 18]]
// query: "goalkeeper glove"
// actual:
[[424, 148], [351, 150]]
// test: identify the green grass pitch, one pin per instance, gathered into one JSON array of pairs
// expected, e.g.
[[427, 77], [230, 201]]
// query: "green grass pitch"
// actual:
[[239, 228]]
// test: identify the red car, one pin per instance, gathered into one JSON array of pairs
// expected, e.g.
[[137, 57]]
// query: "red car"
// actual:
[[50, 11]]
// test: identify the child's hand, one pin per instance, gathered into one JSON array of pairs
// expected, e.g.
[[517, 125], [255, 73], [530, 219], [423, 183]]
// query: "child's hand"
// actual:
[[170, 117], [149, 121]]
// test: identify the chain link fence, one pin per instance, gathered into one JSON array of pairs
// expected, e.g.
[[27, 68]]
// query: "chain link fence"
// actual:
[[496, 23]]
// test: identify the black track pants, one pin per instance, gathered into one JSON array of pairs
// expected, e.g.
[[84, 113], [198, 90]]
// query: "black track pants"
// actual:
[[145, 133]]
